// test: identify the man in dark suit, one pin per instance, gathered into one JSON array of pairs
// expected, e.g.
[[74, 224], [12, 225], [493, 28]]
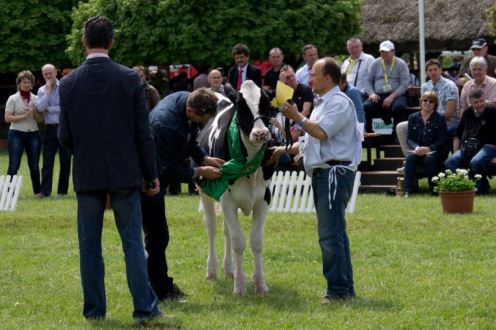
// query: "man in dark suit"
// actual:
[[241, 55], [104, 123]]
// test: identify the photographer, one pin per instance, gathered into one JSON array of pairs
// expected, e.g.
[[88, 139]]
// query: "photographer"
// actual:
[[474, 142]]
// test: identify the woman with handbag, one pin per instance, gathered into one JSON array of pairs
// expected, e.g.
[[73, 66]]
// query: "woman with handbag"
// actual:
[[427, 141], [20, 112]]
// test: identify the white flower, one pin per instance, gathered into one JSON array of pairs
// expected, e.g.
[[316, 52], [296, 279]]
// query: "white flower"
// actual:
[[448, 172], [441, 175], [435, 178], [461, 171], [478, 177]]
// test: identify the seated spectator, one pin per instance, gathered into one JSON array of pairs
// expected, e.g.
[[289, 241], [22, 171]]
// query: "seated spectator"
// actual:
[[479, 48], [474, 142], [355, 95], [480, 79], [427, 142], [302, 97], [357, 65], [386, 85], [215, 79], [276, 58]]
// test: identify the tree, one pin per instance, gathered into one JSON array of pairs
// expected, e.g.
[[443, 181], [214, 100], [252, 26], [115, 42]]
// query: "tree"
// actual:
[[204, 32], [33, 33], [491, 18]]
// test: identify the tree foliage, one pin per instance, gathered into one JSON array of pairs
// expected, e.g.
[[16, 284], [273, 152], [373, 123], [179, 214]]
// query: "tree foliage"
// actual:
[[33, 33], [204, 32], [492, 19]]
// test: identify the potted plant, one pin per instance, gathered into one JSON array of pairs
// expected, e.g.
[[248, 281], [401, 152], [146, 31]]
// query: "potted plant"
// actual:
[[457, 190]]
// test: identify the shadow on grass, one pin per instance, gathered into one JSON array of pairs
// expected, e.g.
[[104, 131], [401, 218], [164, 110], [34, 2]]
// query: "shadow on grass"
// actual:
[[163, 323]]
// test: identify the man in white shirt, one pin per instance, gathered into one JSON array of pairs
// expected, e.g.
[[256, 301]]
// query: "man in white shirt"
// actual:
[[357, 66], [310, 56]]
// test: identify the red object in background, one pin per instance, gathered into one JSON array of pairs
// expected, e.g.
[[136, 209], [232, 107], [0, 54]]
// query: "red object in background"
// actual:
[[264, 66], [176, 69]]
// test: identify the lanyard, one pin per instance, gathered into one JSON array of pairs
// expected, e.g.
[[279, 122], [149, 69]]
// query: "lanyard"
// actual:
[[386, 79], [350, 68]]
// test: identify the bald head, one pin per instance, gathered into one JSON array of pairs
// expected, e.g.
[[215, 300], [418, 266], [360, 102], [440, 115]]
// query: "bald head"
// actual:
[[49, 72], [215, 79]]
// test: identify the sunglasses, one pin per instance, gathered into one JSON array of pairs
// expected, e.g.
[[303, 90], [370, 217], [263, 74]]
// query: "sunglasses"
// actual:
[[427, 100]]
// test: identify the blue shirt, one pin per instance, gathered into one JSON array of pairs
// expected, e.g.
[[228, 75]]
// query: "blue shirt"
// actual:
[[175, 137], [49, 103], [356, 98]]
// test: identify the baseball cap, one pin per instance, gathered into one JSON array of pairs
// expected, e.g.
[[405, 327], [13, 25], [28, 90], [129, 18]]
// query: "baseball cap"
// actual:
[[386, 46], [478, 43]]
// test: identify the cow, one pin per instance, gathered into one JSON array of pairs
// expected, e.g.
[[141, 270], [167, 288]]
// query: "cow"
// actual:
[[250, 193]]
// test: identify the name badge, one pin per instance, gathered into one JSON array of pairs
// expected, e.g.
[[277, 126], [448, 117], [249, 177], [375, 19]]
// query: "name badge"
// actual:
[[387, 88]]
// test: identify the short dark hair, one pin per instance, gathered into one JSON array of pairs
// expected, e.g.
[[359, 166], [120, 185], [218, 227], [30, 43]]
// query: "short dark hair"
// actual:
[[98, 32], [307, 47], [26, 74], [239, 49], [433, 61], [331, 68], [476, 93], [203, 102]]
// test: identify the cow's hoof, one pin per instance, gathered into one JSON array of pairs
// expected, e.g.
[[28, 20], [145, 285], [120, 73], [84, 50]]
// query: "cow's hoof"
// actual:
[[239, 292], [260, 286], [211, 276]]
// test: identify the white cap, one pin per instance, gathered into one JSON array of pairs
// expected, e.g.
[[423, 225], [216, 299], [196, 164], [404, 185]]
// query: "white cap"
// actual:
[[386, 46]]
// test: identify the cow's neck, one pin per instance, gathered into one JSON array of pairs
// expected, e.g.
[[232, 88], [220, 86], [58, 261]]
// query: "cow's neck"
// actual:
[[252, 147]]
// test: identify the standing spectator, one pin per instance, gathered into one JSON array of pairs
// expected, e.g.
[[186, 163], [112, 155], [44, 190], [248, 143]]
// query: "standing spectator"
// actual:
[[333, 150], [310, 56], [242, 70], [48, 104], [151, 93], [480, 80], [427, 142], [474, 143], [276, 58], [479, 48], [215, 80], [20, 112], [386, 85], [201, 80], [175, 125], [104, 123], [357, 66]]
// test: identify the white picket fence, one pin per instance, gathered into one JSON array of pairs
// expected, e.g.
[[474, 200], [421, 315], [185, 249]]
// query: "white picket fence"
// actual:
[[292, 193], [9, 192]]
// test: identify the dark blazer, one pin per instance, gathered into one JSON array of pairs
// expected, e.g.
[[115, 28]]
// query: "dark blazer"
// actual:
[[175, 138], [104, 123], [252, 73]]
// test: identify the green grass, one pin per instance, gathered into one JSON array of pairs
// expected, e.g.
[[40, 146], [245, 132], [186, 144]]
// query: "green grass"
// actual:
[[415, 268]]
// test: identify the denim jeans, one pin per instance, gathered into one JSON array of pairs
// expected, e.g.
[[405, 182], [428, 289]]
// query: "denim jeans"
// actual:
[[431, 163], [51, 145], [127, 213], [156, 241], [17, 142], [333, 240], [478, 164], [375, 110]]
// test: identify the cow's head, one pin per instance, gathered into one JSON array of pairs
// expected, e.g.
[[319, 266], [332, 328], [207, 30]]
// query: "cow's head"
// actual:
[[253, 112]]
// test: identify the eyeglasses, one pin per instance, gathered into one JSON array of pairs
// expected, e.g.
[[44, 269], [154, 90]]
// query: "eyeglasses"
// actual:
[[427, 100]]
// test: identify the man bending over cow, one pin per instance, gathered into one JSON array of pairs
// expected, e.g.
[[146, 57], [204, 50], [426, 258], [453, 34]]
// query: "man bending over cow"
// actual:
[[331, 155], [175, 123]]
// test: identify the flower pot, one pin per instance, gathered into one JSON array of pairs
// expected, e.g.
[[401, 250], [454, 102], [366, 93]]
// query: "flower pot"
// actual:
[[458, 201]]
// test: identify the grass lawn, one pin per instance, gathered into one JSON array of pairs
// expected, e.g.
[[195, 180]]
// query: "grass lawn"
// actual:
[[415, 268]]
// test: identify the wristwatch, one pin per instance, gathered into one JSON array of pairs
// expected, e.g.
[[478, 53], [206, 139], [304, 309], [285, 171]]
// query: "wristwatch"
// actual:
[[301, 123]]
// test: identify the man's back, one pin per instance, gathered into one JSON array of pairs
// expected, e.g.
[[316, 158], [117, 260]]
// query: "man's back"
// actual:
[[105, 123]]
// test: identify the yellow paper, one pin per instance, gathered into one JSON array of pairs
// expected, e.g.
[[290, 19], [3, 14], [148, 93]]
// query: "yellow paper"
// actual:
[[283, 94]]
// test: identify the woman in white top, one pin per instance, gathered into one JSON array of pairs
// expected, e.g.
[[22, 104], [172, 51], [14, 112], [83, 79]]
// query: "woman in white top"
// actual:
[[23, 134]]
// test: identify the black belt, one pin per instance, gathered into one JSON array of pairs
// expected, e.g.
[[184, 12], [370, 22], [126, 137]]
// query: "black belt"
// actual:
[[51, 124], [332, 163]]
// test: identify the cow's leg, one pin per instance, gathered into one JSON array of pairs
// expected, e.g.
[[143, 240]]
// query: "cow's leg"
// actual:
[[210, 219], [228, 261], [256, 241], [237, 241]]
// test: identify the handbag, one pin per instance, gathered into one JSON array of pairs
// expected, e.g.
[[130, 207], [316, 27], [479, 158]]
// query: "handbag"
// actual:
[[470, 147]]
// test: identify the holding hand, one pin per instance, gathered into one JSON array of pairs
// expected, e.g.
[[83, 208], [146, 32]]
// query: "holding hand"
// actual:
[[209, 172], [374, 98], [276, 153], [213, 161], [151, 190]]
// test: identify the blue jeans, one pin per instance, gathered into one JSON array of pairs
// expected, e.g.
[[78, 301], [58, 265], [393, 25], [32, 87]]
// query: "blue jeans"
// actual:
[[478, 165], [51, 145], [333, 240], [430, 162], [127, 213], [17, 142]]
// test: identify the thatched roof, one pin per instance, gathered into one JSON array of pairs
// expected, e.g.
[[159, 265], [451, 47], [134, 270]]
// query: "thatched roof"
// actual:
[[449, 24]]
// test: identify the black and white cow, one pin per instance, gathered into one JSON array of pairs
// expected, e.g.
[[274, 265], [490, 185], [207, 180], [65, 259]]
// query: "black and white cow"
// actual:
[[249, 193]]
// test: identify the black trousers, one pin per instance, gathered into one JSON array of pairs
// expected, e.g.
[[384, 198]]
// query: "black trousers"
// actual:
[[156, 240]]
